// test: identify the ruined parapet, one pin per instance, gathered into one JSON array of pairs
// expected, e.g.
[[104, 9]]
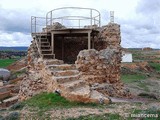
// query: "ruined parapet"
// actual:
[[101, 70], [104, 63], [109, 37]]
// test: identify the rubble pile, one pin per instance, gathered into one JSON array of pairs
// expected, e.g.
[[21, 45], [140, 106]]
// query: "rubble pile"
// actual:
[[32, 85]]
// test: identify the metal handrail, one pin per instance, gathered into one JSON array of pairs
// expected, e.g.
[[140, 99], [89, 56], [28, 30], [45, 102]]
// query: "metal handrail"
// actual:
[[93, 19], [35, 24]]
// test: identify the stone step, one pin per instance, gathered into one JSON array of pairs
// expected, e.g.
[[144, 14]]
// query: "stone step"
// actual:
[[97, 97], [62, 67], [78, 94], [54, 61], [64, 79], [70, 86], [81, 91], [65, 72]]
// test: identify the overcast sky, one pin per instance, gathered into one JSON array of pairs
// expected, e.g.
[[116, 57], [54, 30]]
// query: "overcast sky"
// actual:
[[139, 19]]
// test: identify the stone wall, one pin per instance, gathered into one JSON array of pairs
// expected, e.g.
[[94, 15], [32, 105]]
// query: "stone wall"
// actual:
[[101, 70], [109, 37], [102, 66], [105, 61], [98, 69]]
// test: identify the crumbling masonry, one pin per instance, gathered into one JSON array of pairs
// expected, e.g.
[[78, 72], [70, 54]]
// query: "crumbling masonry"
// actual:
[[84, 65]]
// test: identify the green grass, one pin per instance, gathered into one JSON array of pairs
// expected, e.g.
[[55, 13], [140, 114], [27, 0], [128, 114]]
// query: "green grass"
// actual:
[[6, 62], [50, 100], [44, 102], [106, 116], [129, 78], [156, 66], [137, 78]]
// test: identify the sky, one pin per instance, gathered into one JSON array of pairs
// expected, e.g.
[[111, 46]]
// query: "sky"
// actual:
[[139, 19]]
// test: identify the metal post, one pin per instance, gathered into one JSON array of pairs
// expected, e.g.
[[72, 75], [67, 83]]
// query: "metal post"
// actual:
[[35, 24], [51, 19], [52, 43], [79, 23], [94, 21], [99, 20], [31, 26], [89, 40], [91, 17], [112, 16]]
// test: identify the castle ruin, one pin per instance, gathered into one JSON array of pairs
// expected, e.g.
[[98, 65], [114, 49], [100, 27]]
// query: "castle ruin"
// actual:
[[74, 55]]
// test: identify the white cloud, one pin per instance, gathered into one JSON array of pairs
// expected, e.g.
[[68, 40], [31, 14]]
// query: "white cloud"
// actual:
[[139, 19], [14, 39]]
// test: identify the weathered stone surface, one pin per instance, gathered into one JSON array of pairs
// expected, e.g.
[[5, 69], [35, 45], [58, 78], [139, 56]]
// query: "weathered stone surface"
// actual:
[[102, 68], [104, 65], [4, 73]]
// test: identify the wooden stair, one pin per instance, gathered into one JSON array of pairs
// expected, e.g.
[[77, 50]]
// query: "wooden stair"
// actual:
[[44, 47]]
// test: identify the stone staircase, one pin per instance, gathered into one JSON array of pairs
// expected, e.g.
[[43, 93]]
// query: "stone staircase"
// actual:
[[44, 47], [70, 85]]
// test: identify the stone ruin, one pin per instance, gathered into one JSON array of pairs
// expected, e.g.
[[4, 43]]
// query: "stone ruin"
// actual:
[[92, 75]]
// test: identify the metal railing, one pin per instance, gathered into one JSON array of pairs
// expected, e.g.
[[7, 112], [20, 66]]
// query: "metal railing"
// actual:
[[74, 17], [37, 24], [70, 17]]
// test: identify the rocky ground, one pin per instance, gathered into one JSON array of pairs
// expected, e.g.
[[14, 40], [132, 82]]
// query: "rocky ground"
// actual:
[[10, 88], [124, 110], [143, 81]]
